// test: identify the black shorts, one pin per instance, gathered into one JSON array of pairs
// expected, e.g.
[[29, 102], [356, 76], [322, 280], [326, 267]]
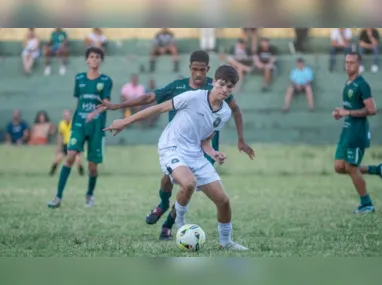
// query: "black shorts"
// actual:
[[64, 149]]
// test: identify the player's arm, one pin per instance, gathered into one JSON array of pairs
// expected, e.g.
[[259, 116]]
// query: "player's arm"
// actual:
[[238, 117], [370, 109], [219, 157], [141, 100]]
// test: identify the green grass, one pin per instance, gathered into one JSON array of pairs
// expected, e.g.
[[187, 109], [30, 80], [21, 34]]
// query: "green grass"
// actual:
[[287, 202]]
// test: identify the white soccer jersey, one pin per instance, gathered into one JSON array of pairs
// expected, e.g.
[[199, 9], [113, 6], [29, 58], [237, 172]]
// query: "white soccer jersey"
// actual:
[[194, 121]]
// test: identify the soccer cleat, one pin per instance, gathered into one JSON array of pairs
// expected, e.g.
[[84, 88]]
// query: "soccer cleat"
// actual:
[[89, 201], [364, 209], [154, 216], [55, 203], [165, 234], [234, 246]]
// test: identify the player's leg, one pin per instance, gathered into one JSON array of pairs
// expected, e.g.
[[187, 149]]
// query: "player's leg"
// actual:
[[165, 192], [58, 158], [75, 146], [95, 157], [168, 224], [352, 162], [216, 193], [371, 169], [48, 53], [63, 55], [80, 167]]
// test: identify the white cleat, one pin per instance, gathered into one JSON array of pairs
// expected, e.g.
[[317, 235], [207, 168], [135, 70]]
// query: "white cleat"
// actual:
[[90, 201], [234, 246], [47, 71], [62, 70]]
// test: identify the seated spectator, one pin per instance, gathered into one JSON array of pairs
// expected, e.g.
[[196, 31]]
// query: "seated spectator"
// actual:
[[299, 44], [57, 46], [31, 50], [301, 78], [251, 36], [96, 38], [265, 59], [340, 42], [207, 39], [41, 130], [164, 43], [130, 91], [241, 59], [369, 43], [17, 130]]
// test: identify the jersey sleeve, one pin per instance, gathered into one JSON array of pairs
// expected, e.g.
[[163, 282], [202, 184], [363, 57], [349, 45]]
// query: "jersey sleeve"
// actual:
[[365, 91], [76, 92], [166, 93], [108, 88], [185, 100]]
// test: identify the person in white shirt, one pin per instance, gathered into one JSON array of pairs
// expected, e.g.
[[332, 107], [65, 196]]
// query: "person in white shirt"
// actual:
[[340, 42], [199, 114], [96, 38], [31, 50]]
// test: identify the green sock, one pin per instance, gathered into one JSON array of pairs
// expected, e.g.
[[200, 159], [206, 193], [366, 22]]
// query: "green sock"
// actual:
[[64, 174], [165, 199], [91, 185], [170, 221], [366, 200], [372, 170]]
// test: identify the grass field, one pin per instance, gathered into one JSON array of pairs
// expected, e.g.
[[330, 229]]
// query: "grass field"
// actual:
[[287, 202]]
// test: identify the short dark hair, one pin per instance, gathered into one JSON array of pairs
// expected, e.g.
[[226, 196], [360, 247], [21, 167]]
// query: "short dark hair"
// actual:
[[300, 59], [95, 50], [200, 56], [227, 73], [356, 53]]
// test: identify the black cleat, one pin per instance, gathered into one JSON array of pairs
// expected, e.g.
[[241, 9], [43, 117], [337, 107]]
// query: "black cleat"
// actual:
[[154, 216], [165, 234]]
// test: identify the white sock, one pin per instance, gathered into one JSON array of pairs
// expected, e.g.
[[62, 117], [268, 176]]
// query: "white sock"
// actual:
[[180, 214], [225, 231]]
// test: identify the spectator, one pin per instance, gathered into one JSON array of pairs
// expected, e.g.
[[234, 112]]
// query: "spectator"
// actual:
[[130, 91], [251, 36], [340, 42], [301, 78], [31, 50], [369, 43], [207, 39], [41, 129], [58, 45], [298, 45], [241, 59], [17, 130], [265, 59], [164, 43], [96, 38]]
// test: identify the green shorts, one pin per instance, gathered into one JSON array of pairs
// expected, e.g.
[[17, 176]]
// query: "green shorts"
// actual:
[[352, 156], [215, 146], [95, 140]]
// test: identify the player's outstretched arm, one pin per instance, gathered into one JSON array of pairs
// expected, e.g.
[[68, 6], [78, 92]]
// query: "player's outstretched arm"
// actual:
[[238, 117], [119, 125], [219, 157], [141, 100]]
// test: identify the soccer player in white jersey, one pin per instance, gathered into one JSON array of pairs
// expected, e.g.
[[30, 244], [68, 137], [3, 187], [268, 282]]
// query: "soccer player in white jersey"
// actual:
[[199, 114]]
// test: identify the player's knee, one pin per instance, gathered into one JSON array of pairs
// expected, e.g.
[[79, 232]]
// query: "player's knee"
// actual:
[[189, 185], [340, 168], [93, 170], [166, 183], [70, 158], [223, 202]]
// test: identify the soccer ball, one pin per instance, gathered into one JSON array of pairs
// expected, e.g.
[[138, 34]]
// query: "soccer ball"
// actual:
[[190, 237]]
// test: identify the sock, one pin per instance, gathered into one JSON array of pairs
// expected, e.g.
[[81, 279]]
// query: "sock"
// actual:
[[373, 170], [170, 221], [91, 185], [225, 231], [64, 174], [164, 199], [180, 212], [53, 168], [366, 200]]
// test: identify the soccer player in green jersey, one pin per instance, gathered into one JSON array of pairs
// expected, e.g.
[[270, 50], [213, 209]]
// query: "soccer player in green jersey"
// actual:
[[358, 104], [199, 66], [87, 124]]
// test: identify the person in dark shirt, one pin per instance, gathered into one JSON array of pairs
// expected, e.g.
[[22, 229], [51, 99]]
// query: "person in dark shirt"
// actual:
[[369, 43], [17, 130], [265, 59]]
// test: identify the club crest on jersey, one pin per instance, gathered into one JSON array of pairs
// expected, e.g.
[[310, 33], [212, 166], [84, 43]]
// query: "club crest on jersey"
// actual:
[[73, 141], [217, 122], [100, 86], [350, 93], [175, 160]]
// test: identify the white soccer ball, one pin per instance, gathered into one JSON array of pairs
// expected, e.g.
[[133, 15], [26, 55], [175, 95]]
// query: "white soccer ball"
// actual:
[[190, 237]]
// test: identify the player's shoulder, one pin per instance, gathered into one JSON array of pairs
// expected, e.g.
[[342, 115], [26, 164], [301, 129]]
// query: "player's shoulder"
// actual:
[[180, 83], [361, 80], [106, 78], [80, 76]]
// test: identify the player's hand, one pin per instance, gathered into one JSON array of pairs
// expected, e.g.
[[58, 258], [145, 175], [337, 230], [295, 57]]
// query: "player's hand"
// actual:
[[117, 126], [106, 104], [339, 113], [219, 157], [243, 146], [90, 117]]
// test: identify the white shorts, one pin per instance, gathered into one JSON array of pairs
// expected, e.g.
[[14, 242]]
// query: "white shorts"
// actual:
[[202, 169]]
